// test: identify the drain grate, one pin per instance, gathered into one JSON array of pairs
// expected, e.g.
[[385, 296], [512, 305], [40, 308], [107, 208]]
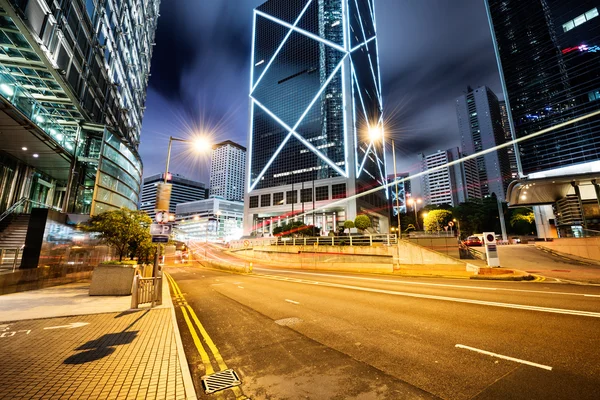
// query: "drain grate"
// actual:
[[220, 381]]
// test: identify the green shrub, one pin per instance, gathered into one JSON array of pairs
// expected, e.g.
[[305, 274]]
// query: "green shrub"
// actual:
[[128, 262]]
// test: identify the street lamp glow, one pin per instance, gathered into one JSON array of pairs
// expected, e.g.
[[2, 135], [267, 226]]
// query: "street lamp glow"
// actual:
[[202, 144], [375, 133]]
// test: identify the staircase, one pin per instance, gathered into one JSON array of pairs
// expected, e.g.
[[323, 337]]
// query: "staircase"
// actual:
[[13, 231]]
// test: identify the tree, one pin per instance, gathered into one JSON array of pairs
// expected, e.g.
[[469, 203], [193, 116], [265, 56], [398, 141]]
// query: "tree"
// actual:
[[436, 220], [362, 222], [348, 225], [127, 231], [522, 221]]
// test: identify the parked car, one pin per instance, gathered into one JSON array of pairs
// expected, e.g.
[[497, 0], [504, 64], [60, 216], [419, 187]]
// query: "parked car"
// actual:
[[473, 241]]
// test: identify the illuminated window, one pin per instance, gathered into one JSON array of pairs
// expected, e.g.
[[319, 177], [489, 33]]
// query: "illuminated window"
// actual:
[[253, 201], [579, 20], [265, 200], [568, 26], [277, 198], [322, 193], [591, 14]]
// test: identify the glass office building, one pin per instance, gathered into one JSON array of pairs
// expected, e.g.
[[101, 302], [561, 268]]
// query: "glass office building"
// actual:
[[549, 57], [73, 80], [315, 96]]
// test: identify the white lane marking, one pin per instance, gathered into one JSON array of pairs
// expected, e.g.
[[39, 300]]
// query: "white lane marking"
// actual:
[[241, 287], [292, 301], [70, 326], [426, 283], [489, 353], [442, 298]]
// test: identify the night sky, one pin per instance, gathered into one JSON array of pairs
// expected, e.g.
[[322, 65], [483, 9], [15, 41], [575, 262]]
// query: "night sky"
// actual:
[[430, 50]]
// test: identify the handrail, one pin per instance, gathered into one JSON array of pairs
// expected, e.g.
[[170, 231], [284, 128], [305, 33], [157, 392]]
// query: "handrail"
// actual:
[[25, 200]]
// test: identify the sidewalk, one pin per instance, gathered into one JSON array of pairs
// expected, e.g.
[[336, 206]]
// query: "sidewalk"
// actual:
[[63, 344]]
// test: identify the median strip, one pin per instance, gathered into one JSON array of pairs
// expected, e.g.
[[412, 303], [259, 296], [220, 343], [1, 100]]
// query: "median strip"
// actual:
[[489, 353]]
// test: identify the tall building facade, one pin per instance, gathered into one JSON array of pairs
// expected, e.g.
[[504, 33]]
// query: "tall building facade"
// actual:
[[73, 80], [480, 127], [511, 150], [445, 184], [403, 193], [227, 171], [316, 116], [210, 220], [549, 63], [183, 190]]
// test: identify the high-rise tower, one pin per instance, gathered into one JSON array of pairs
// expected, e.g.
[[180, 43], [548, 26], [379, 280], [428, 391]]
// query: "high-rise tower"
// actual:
[[316, 115], [227, 168], [73, 80]]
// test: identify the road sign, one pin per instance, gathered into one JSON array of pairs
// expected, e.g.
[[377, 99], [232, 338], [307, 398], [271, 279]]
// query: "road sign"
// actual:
[[246, 243], [160, 229], [163, 196], [160, 239], [491, 251], [450, 224]]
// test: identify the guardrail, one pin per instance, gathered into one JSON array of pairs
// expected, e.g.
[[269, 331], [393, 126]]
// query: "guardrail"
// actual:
[[352, 240], [146, 290], [10, 259]]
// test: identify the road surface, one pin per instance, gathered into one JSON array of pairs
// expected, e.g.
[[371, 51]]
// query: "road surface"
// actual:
[[314, 335]]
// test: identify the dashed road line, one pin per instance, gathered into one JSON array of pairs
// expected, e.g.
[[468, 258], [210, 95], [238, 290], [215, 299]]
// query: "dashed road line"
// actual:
[[442, 298], [489, 353], [292, 301]]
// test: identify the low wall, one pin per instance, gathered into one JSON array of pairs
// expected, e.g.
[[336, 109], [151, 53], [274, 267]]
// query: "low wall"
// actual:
[[580, 247], [39, 278]]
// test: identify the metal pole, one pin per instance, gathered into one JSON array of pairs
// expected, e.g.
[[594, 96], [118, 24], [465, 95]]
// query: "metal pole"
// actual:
[[416, 217], [502, 222], [168, 158], [396, 184]]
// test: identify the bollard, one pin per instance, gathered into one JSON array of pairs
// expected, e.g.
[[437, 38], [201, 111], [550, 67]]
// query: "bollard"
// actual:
[[134, 292]]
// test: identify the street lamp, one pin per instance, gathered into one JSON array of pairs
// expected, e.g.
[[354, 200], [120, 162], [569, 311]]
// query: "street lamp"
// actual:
[[414, 203], [457, 227], [201, 144], [376, 134]]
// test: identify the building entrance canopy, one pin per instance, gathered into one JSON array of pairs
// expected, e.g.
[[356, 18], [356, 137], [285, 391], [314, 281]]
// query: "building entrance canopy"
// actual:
[[548, 190]]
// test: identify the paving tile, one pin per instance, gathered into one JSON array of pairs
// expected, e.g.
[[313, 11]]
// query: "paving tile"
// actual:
[[116, 356]]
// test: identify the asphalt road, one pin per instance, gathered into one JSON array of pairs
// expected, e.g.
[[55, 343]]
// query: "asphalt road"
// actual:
[[533, 260], [313, 335]]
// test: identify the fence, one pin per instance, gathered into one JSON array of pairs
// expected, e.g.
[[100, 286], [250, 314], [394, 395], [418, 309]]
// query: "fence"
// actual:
[[146, 290], [10, 259], [352, 240]]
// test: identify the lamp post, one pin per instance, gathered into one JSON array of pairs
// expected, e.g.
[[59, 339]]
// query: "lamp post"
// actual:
[[200, 143], [414, 203], [457, 227], [375, 134]]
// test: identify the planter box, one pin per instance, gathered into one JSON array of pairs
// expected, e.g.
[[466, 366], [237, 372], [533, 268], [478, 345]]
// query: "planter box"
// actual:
[[112, 280]]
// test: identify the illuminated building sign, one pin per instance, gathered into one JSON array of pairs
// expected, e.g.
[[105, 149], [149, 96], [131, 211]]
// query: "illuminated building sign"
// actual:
[[583, 47]]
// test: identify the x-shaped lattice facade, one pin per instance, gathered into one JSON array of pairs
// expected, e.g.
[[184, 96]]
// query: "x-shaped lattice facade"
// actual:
[[353, 60]]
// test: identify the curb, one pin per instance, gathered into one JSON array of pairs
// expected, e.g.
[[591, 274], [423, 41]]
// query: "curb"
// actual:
[[188, 383]]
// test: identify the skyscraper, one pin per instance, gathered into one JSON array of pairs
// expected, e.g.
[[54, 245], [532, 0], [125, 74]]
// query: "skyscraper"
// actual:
[[445, 185], [512, 157], [227, 171], [316, 115], [549, 62], [480, 127], [548, 54], [73, 80], [183, 190]]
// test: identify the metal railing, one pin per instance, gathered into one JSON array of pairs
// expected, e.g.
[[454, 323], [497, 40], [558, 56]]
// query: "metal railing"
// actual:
[[146, 290], [24, 205], [351, 240], [10, 259]]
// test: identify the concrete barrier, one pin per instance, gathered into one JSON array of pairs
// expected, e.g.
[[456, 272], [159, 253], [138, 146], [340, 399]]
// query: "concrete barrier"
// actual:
[[580, 247], [112, 280]]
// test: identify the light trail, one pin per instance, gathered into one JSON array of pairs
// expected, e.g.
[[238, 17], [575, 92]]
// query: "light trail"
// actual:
[[461, 160]]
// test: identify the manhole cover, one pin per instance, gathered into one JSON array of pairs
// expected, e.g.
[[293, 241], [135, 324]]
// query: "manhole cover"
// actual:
[[288, 321], [220, 381]]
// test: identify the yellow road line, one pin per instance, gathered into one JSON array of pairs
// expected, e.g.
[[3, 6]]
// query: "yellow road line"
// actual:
[[211, 345]]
